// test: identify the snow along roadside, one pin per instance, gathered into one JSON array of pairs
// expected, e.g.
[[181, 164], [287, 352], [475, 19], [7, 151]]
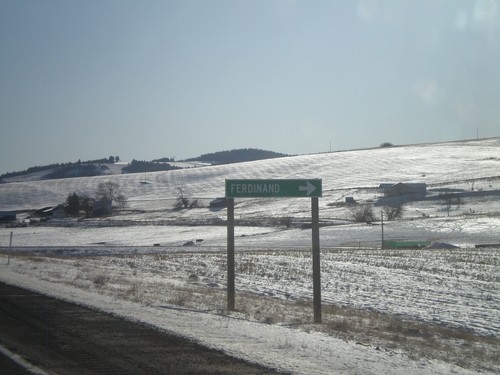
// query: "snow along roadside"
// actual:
[[270, 345]]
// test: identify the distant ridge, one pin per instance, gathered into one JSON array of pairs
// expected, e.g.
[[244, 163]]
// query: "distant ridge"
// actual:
[[88, 168], [110, 165], [101, 166], [236, 156]]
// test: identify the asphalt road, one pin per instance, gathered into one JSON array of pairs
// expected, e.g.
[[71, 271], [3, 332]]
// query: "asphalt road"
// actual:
[[10, 367], [63, 338]]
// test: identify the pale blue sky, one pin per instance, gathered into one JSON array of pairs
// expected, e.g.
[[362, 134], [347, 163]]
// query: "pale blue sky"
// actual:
[[84, 79]]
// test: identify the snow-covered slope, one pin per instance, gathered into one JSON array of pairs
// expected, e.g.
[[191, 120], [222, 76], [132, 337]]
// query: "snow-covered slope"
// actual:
[[445, 163], [471, 167]]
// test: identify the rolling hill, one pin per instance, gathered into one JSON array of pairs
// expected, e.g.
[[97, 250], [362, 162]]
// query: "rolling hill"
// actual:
[[442, 164], [470, 168]]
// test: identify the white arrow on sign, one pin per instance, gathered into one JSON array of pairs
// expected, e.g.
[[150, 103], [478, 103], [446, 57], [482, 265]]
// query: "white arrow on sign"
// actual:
[[309, 188]]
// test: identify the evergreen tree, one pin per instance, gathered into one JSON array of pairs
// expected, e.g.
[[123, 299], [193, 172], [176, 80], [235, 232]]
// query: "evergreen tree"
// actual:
[[72, 207], [87, 205]]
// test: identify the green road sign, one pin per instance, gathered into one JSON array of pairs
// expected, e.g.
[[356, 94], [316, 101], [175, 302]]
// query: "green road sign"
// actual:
[[273, 188]]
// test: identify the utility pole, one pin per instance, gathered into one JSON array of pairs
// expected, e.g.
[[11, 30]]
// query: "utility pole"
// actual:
[[382, 220], [10, 248]]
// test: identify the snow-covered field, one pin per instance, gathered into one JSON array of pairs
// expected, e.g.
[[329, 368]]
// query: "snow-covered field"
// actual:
[[385, 311]]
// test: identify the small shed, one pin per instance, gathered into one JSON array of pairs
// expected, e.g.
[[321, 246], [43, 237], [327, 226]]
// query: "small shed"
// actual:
[[8, 216], [103, 207], [52, 211], [218, 203]]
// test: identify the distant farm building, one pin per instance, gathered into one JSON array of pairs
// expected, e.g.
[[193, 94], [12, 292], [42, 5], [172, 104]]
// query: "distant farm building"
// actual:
[[218, 203], [103, 207], [51, 212], [403, 188], [8, 216]]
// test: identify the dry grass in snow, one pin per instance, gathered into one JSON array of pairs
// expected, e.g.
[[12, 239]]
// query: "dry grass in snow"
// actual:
[[435, 304]]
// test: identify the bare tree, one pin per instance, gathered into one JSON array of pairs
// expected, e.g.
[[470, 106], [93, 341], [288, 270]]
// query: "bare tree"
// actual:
[[393, 212], [183, 200], [195, 203], [286, 221], [121, 201], [107, 193], [108, 190], [450, 199], [363, 214]]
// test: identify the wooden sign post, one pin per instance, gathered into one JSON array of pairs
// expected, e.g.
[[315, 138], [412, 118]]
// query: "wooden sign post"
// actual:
[[275, 189]]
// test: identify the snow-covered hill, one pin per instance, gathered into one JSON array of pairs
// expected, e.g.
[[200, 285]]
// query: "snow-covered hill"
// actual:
[[455, 164], [469, 167]]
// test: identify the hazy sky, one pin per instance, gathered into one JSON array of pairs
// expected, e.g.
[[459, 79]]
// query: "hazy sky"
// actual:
[[85, 79]]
